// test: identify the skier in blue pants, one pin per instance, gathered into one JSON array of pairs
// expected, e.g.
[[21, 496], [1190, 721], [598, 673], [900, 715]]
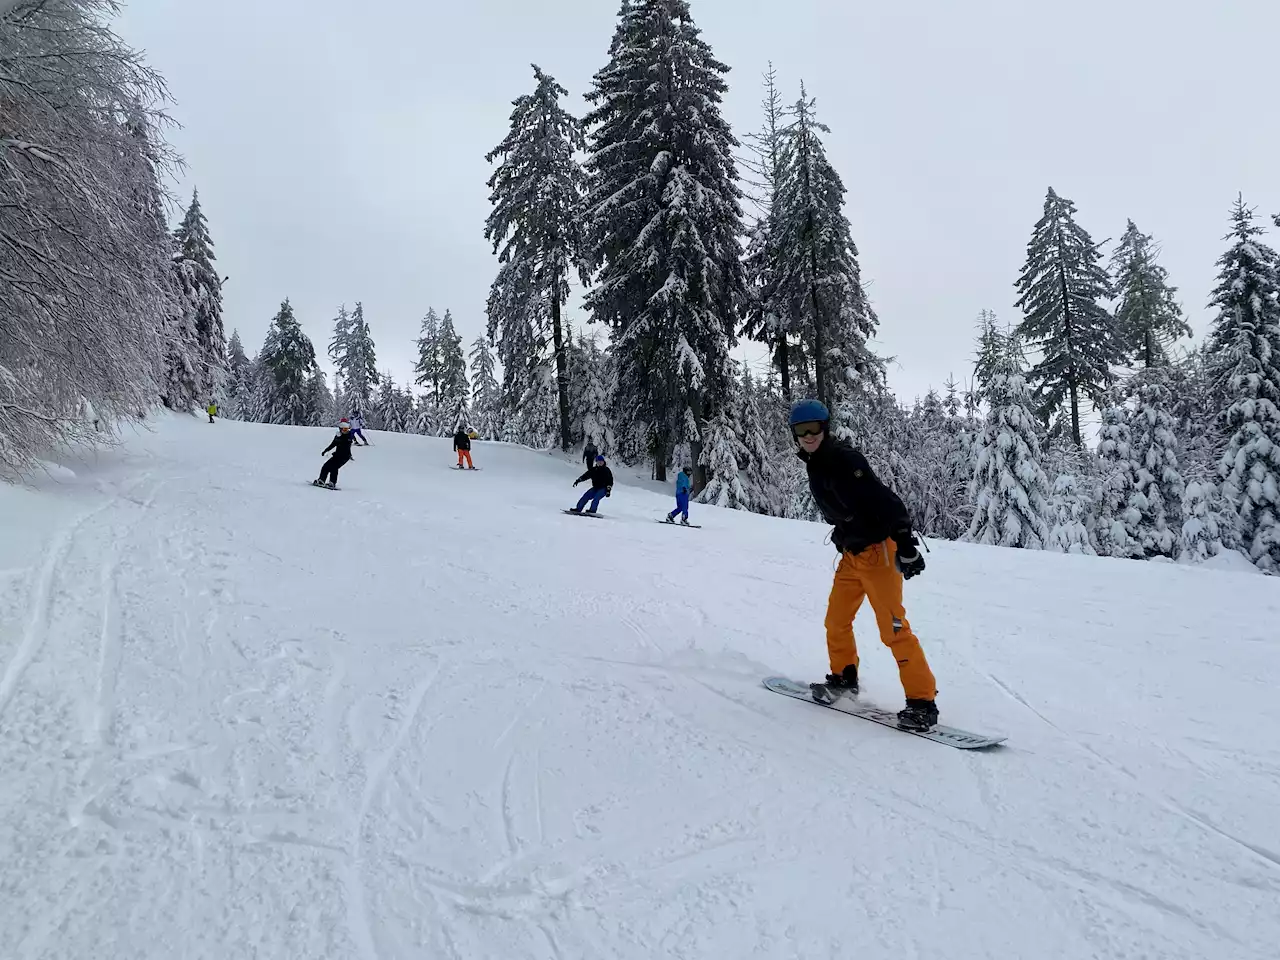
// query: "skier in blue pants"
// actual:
[[601, 478], [684, 486]]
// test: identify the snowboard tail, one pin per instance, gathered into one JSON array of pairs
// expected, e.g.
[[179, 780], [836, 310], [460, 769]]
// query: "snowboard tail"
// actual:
[[951, 736]]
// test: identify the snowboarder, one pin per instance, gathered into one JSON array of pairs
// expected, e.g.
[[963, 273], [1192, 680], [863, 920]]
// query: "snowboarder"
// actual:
[[212, 410], [601, 478], [589, 454], [878, 551], [462, 444], [684, 486], [357, 428], [341, 447]]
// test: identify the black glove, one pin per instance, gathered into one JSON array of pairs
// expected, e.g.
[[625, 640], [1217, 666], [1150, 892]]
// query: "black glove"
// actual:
[[576, 482], [608, 491], [909, 559]]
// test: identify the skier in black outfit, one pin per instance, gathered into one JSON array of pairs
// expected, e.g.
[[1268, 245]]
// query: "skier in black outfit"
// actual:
[[341, 447], [589, 454], [601, 478]]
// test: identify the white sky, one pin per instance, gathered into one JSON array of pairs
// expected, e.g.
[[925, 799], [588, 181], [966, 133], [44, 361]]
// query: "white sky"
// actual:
[[339, 148]]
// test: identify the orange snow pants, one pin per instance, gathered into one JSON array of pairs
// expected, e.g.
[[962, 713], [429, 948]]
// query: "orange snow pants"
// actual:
[[466, 454], [871, 575]]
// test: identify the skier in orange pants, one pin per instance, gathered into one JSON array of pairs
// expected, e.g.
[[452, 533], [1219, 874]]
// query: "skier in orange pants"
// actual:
[[878, 551], [462, 444]]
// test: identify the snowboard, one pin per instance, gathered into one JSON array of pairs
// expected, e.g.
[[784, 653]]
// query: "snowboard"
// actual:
[[468, 469], [695, 526], [575, 513], [960, 739], [321, 487]]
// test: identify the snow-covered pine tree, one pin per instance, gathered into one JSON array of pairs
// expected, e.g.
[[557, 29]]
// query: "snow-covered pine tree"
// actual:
[[321, 400], [663, 222], [1244, 347], [1061, 292], [760, 478], [392, 409], [202, 292], [1148, 317], [288, 362], [536, 194], [183, 387], [819, 281], [352, 352], [537, 418], [485, 392], [1071, 504], [1116, 528], [455, 391], [1158, 496], [1009, 489], [1202, 518], [238, 393], [597, 397], [722, 454]]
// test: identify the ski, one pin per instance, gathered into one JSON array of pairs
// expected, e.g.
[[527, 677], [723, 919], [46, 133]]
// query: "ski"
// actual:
[[952, 737]]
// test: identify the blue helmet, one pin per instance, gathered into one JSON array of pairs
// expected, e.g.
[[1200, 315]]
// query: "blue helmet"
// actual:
[[804, 411]]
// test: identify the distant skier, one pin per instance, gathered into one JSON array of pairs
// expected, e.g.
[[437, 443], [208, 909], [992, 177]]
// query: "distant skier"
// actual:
[[462, 444], [341, 447], [357, 428], [601, 478], [684, 487], [589, 454], [211, 410], [877, 552]]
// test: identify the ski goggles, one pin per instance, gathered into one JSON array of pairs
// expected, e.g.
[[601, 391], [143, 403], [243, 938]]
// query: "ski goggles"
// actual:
[[813, 428]]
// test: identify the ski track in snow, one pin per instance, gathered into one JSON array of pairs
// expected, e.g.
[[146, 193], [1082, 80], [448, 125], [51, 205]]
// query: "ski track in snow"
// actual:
[[431, 716]]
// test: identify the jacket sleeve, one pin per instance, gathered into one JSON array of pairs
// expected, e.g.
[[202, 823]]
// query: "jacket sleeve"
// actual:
[[585, 476], [861, 489], [332, 443]]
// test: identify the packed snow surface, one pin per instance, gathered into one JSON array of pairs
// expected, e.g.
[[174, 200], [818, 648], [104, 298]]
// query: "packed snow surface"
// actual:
[[429, 715]]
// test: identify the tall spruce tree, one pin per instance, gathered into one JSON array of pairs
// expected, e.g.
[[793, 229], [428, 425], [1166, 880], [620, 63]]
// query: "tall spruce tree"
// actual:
[[288, 362], [352, 352], [767, 318], [430, 367], [1116, 529], [1244, 345], [202, 292], [1061, 292], [535, 227], [1148, 317], [663, 222], [455, 392], [238, 393], [485, 392], [818, 279]]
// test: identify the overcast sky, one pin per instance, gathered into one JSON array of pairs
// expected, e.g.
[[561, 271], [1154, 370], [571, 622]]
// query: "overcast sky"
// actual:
[[339, 147]]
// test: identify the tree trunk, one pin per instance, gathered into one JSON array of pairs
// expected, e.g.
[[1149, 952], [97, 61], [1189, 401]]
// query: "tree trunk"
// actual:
[[1071, 364], [819, 340], [783, 363], [562, 371]]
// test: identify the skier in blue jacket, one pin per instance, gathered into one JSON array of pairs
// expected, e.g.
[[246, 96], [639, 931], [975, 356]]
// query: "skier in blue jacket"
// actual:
[[684, 486]]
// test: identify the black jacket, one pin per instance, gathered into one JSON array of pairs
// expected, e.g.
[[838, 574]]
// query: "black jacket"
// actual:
[[601, 477], [589, 455], [341, 445], [863, 510], [461, 441]]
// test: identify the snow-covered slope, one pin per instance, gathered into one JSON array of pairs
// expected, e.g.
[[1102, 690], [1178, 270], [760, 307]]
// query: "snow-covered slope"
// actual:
[[431, 716]]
